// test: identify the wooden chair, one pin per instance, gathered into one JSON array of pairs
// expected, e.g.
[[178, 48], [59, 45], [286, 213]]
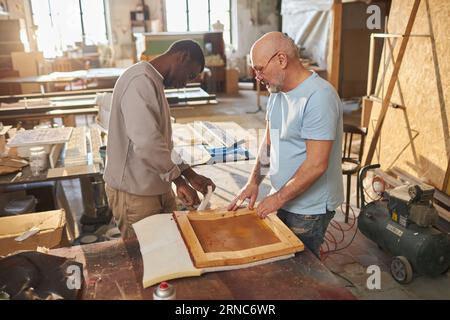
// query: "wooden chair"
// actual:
[[351, 160]]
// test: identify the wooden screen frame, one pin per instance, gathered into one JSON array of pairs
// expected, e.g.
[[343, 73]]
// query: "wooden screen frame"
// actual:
[[288, 241]]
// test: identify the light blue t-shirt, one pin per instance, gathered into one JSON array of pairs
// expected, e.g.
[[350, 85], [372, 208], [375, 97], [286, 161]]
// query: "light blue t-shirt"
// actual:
[[311, 111]]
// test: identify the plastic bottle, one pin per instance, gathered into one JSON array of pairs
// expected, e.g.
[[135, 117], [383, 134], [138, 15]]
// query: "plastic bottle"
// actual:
[[38, 160]]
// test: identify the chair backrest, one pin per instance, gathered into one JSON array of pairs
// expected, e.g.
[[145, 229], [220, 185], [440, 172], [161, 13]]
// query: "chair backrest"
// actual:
[[349, 132]]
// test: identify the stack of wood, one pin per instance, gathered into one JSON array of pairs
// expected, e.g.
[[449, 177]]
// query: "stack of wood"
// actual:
[[9, 43], [11, 164]]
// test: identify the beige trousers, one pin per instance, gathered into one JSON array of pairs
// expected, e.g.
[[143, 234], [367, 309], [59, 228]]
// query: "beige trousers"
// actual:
[[128, 208]]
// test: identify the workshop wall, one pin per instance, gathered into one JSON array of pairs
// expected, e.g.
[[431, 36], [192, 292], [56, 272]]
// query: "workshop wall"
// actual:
[[416, 138], [119, 24], [251, 19]]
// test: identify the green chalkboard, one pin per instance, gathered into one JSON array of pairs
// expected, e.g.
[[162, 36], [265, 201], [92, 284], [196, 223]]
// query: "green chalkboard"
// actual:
[[155, 46]]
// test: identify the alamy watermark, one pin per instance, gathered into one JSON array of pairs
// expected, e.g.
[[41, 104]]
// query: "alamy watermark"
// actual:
[[374, 280], [73, 277], [374, 19]]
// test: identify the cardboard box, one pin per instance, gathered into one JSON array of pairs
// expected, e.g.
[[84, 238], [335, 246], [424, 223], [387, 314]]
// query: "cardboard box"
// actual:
[[50, 223]]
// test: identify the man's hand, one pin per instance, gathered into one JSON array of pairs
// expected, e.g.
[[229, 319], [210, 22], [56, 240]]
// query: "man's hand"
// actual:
[[188, 196], [249, 191], [199, 182], [270, 204]]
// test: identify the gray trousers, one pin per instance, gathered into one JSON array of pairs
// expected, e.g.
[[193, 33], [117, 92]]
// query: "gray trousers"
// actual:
[[310, 229]]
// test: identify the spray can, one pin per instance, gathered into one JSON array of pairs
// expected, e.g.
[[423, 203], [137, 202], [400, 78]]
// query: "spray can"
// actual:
[[164, 291]]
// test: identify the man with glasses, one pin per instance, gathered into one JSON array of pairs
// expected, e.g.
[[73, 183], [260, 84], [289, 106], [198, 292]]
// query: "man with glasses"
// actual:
[[302, 145], [141, 163]]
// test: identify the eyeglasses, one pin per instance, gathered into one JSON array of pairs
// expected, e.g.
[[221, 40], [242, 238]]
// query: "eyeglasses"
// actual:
[[259, 72]]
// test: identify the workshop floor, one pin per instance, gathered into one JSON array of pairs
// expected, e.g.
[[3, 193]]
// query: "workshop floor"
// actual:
[[350, 264]]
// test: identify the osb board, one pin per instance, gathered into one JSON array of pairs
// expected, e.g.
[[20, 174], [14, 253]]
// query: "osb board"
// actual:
[[417, 139], [221, 238]]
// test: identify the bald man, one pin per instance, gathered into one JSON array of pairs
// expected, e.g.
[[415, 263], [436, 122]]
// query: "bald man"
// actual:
[[302, 145]]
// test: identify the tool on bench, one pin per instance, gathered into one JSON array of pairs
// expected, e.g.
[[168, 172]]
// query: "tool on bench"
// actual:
[[205, 200], [222, 144]]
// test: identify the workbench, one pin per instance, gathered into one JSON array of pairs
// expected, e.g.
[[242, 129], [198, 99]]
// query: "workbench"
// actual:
[[114, 269], [84, 173], [60, 172], [83, 102], [95, 74]]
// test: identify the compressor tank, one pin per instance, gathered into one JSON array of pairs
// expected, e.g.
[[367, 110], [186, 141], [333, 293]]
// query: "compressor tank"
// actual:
[[427, 249]]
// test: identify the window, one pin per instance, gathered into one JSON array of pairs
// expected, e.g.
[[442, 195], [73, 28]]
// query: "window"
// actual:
[[60, 24], [199, 15]]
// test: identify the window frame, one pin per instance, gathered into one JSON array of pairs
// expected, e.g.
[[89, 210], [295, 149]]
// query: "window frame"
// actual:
[[230, 15], [80, 11]]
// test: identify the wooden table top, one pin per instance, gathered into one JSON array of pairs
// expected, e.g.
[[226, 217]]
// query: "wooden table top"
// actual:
[[114, 269]]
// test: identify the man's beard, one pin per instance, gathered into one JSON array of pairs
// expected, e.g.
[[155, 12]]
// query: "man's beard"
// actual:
[[272, 88], [276, 87]]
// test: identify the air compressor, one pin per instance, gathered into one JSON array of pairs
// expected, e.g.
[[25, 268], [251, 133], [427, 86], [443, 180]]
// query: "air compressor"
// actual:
[[402, 224]]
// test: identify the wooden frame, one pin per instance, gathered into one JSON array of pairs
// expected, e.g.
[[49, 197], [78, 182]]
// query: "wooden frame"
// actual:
[[335, 45], [287, 243], [383, 36], [392, 82]]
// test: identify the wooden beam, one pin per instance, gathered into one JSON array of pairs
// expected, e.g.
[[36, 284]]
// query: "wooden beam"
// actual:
[[379, 100], [370, 71], [446, 184], [393, 35], [367, 105], [335, 53], [392, 81]]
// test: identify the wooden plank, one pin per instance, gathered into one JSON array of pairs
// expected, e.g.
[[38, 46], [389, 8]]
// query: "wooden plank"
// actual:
[[392, 82], [388, 178], [40, 137], [446, 183], [335, 54], [215, 214], [366, 111], [194, 247], [370, 71], [406, 177], [443, 213], [54, 154], [228, 258], [443, 198], [284, 232]]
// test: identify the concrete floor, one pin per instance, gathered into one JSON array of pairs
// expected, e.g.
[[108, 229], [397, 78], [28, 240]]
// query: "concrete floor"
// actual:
[[349, 264]]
